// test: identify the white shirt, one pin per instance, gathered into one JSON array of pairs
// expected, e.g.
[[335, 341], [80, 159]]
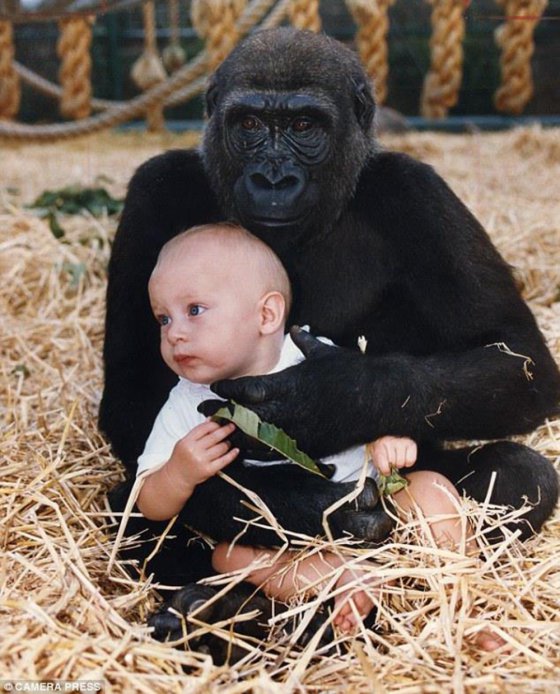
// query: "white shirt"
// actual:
[[179, 415]]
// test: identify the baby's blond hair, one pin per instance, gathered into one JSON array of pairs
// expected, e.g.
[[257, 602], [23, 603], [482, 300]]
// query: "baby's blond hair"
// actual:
[[260, 256]]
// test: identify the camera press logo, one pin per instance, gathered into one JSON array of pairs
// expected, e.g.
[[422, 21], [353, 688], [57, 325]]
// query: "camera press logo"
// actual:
[[51, 685]]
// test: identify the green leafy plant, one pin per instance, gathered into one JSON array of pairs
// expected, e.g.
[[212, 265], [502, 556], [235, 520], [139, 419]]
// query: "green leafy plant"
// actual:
[[272, 436], [74, 200], [269, 434], [390, 484]]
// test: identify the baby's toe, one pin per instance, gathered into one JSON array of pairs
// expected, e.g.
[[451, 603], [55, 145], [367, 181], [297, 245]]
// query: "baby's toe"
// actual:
[[489, 641]]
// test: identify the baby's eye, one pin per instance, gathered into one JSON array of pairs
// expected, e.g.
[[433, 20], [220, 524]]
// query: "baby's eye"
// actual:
[[196, 310], [163, 320]]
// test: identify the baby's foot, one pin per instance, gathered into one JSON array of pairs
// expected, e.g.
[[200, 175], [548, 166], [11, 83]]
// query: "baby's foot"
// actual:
[[356, 602], [488, 640]]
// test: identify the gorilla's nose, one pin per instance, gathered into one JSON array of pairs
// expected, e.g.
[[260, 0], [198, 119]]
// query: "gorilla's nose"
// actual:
[[268, 182], [274, 189]]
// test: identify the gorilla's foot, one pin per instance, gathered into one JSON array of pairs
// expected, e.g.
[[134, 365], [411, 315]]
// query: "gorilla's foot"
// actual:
[[173, 621], [364, 518], [370, 526]]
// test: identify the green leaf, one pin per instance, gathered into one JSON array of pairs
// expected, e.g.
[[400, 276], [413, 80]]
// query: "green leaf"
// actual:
[[74, 199], [269, 434], [76, 271], [390, 484], [21, 369], [57, 231]]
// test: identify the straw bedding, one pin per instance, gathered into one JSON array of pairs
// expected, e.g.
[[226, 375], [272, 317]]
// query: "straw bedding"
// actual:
[[65, 615]]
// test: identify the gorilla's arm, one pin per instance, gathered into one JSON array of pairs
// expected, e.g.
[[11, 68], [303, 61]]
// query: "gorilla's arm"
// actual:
[[167, 194], [483, 371]]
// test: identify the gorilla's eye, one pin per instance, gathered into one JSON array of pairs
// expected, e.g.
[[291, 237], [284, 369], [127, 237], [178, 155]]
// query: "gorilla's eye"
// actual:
[[250, 123], [302, 125]]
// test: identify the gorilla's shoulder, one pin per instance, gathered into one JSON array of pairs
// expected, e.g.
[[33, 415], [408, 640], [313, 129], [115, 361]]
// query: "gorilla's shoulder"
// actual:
[[393, 183], [172, 186], [177, 167], [397, 172]]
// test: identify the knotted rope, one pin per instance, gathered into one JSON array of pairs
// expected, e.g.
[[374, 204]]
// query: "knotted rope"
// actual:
[[216, 22], [75, 69], [184, 84], [515, 38], [148, 70], [442, 83], [10, 92], [277, 15], [304, 14], [173, 54], [371, 17]]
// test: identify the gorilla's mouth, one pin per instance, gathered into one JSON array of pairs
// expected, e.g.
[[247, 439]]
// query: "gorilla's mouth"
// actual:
[[277, 222], [275, 208], [271, 227]]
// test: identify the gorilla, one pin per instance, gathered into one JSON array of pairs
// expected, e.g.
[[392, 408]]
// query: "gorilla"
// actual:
[[375, 244]]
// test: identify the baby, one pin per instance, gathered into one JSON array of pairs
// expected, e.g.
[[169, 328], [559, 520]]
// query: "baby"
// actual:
[[221, 297]]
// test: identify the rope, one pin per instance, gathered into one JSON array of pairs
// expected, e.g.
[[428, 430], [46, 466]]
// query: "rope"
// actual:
[[116, 115], [10, 92], [515, 38], [173, 54], [304, 14], [75, 69], [54, 90], [55, 13], [148, 70], [216, 22], [277, 15], [250, 16], [442, 83], [186, 82], [371, 40]]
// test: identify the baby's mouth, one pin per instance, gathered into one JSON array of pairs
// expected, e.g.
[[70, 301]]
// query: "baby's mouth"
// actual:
[[183, 358]]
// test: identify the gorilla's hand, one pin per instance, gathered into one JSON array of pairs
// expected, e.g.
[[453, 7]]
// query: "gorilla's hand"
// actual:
[[308, 401], [249, 448]]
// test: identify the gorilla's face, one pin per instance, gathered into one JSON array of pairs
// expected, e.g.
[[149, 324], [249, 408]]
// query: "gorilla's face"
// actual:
[[288, 135], [281, 142]]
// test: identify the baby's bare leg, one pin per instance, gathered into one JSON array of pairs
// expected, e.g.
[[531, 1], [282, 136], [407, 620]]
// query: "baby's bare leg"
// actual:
[[438, 500], [286, 577], [280, 578]]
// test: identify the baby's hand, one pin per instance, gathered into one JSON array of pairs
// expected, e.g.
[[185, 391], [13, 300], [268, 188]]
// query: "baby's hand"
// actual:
[[393, 451], [203, 452]]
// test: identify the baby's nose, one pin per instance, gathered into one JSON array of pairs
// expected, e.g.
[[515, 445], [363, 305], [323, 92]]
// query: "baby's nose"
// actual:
[[177, 332]]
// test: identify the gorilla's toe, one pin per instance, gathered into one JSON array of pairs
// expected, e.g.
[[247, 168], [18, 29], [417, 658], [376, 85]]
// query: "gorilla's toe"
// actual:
[[368, 497], [370, 526], [167, 625], [316, 623], [191, 598], [169, 621], [363, 517]]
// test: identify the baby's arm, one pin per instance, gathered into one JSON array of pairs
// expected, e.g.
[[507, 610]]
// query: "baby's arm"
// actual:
[[196, 457], [392, 451]]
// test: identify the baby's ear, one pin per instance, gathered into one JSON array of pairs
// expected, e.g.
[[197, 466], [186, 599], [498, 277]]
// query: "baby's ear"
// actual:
[[272, 312]]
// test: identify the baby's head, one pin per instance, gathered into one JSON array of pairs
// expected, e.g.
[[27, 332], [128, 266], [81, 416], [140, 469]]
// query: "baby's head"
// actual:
[[221, 297]]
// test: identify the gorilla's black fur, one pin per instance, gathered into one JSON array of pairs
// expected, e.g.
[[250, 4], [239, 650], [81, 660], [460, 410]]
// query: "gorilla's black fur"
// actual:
[[375, 244]]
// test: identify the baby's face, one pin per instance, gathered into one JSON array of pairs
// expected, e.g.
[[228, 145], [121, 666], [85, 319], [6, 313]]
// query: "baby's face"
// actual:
[[208, 310]]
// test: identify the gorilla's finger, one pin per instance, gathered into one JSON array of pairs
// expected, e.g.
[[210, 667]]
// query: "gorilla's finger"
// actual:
[[308, 344], [209, 407], [247, 391]]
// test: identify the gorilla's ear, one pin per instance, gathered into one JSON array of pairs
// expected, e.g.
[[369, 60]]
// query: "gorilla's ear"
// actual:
[[364, 105], [211, 96]]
